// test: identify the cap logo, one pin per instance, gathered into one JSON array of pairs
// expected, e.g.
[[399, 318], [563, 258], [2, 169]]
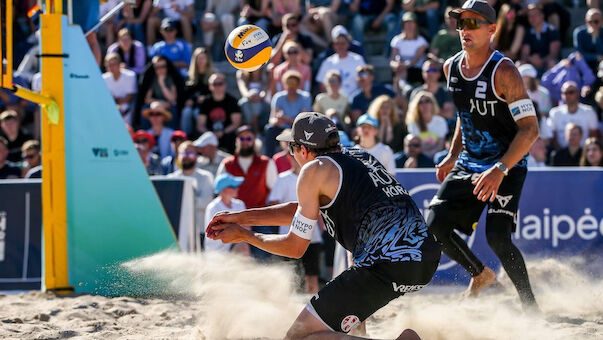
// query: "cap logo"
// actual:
[[308, 134], [469, 4]]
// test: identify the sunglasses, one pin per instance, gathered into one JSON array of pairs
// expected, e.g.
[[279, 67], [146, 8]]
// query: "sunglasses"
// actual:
[[413, 145], [291, 148], [246, 139], [29, 156], [293, 82], [363, 74], [425, 101], [218, 83], [432, 70], [340, 43], [169, 29], [155, 114], [292, 52], [292, 24], [178, 140], [189, 154], [333, 80], [159, 66], [593, 22], [141, 141], [569, 92], [469, 24]]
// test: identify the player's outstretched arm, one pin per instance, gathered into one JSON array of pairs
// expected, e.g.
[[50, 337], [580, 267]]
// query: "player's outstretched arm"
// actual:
[[275, 215]]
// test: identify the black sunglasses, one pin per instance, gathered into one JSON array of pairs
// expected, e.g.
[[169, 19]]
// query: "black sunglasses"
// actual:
[[291, 146], [29, 156], [469, 23]]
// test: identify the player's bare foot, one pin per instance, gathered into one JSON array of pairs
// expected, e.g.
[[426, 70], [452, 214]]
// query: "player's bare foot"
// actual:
[[409, 334], [478, 283]]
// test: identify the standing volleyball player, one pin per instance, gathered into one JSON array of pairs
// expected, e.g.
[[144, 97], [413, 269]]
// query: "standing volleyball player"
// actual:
[[486, 165], [364, 208]]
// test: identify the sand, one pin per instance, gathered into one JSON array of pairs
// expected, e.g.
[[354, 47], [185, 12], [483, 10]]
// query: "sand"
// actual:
[[227, 297]]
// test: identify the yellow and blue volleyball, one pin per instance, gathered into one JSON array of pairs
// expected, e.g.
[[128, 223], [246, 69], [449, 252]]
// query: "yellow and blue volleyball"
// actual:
[[248, 47]]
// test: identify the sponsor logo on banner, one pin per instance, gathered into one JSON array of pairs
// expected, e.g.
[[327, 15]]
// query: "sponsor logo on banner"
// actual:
[[100, 152], [349, 322], [2, 235]]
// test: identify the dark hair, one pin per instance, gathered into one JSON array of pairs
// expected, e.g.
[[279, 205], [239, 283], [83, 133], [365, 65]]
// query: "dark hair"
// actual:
[[332, 145]]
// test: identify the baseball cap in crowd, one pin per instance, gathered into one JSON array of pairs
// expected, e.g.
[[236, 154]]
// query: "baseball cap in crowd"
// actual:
[[8, 114], [244, 128], [310, 129], [527, 70], [366, 119], [226, 180], [476, 6], [338, 31], [409, 16], [142, 135], [207, 138], [168, 23], [178, 134]]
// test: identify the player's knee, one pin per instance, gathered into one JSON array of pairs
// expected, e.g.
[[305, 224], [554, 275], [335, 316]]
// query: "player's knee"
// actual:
[[436, 226], [498, 233]]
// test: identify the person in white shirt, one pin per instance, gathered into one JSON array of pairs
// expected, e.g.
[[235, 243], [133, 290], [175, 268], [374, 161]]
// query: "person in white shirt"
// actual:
[[539, 94], [367, 131], [226, 187], [423, 120], [284, 190], [121, 83]]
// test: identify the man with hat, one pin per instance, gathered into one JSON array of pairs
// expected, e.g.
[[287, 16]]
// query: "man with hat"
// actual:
[[364, 208], [11, 130], [144, 142], [175, 50], [168, 163], [157, 115], [487, 163], [210, 157]]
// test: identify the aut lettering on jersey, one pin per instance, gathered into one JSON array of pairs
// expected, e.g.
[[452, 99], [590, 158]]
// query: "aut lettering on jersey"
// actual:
[[482, 106]]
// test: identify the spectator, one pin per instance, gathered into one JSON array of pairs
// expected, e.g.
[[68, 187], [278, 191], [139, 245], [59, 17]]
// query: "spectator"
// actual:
[[344, 61], [412, 157], [354, 46], [571, 112], [7, 169], [162, 87], [540, 95], [592, 155], [219, 113], [333, 98], [15, 137], [256, 112], [210, 157], [32, 159], [537, 154], [408, 50], [178, 12], [158, 116], [197, 87], [280, 8], [144, 142], [135, 19], [320, 17], [226, 187], [284, 190], [291, 32], [431, 72], [367, 131], [391, 128], [168, 163], [292, 61], [423, 120], [569, 155], [542, 43], [367, 91], [573, 68], [260, 174], [373, 14], [588, 38], [427, 11], [121, 83], [286, 105], [218, 14], [131, 52], [509, 32], [255, 12], [175, 50], [446, 42]]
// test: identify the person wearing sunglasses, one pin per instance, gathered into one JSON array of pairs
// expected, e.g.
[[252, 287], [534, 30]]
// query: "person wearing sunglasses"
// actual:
[[174, 49], [487, 162], [588, 38], [292, 61], [364, 208], [412, 157], [32, 165], [291, 32]]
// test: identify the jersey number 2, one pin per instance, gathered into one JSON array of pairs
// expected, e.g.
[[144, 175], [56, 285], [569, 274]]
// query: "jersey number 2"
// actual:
[[480, 90]]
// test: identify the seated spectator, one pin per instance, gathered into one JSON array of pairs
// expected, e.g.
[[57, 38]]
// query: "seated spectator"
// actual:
[[162, 87], [431, 72], [354, 46], [408, 50], [537, 154], [333, 98], [203, 181], [280, 8], [344, 61], [218, 14], [292, 61], [210, 157], [121, 83], [131, 52], [509, 32], [168, 163], [256, 12], [539, 94], [15, 136], [197, 87], [179, 12], [412, 157], [391, 128], [176, 50], [134, 17], [427, 11], [7, 169], [570, 154], [571, 112], [220, 113], [226, 187], [446, 42], [423, 120], [255, 109], [367, 129], [158, 116], [373, 15], [291, 32], [367, 91], [32, 159], [320, 17], [588, 38], [592, 154], [573, 68], [542, 42], [286, 105], [144, 142]]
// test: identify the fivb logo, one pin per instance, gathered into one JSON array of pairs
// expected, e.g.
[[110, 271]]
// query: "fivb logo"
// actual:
[[2, 235]]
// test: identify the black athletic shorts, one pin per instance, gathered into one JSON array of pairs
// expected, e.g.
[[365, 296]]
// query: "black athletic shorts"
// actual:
[[311, 257], [359, 292], [455, 203]]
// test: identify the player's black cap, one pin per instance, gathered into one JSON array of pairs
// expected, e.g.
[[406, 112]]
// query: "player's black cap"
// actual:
[[476, 6], [310, 129]]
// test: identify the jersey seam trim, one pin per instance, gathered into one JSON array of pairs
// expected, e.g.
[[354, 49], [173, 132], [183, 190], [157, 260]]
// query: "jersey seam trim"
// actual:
[[340, 182], [492, 78], [480, 71]]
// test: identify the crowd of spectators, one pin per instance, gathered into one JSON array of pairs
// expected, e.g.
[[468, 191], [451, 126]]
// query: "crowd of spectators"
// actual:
[[191, 114]]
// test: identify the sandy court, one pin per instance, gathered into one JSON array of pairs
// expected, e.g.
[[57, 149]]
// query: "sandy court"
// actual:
[[226, 297]]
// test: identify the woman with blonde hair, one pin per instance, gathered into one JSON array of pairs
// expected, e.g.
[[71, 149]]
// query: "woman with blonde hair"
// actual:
[[197, 87], [592, 152], [424, 121], [392, 129], [509, 33]]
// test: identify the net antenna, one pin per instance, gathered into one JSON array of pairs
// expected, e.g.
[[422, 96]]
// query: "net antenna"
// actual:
[[110, 14], [6, 42]]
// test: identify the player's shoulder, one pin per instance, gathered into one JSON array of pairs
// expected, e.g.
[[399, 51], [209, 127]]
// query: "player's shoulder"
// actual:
[[449, 62]]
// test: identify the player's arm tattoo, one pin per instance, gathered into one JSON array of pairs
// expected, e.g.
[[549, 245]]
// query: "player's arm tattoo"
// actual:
[[508, 83]]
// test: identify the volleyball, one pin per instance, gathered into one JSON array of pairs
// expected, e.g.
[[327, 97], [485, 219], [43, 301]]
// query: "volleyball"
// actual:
[[248, 47]]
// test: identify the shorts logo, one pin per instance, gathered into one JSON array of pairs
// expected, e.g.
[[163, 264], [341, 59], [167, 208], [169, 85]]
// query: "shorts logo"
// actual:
[[406, 288], [503, 200], [349, 322]]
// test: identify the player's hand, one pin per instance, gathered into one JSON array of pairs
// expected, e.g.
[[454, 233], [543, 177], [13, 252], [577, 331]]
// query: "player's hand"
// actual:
[[221, 218], [444, 168], [487, 183], [227, 232]]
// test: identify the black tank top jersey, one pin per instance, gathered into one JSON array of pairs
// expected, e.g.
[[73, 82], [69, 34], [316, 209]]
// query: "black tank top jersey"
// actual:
[[372, 215], [486, 122]]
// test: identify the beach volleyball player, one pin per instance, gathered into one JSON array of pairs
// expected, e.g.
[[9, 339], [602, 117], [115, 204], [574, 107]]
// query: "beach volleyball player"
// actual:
[[364, 208]]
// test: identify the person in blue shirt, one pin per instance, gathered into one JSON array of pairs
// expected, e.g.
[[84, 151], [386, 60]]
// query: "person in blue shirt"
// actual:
[[176, 50], [588, 38]]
